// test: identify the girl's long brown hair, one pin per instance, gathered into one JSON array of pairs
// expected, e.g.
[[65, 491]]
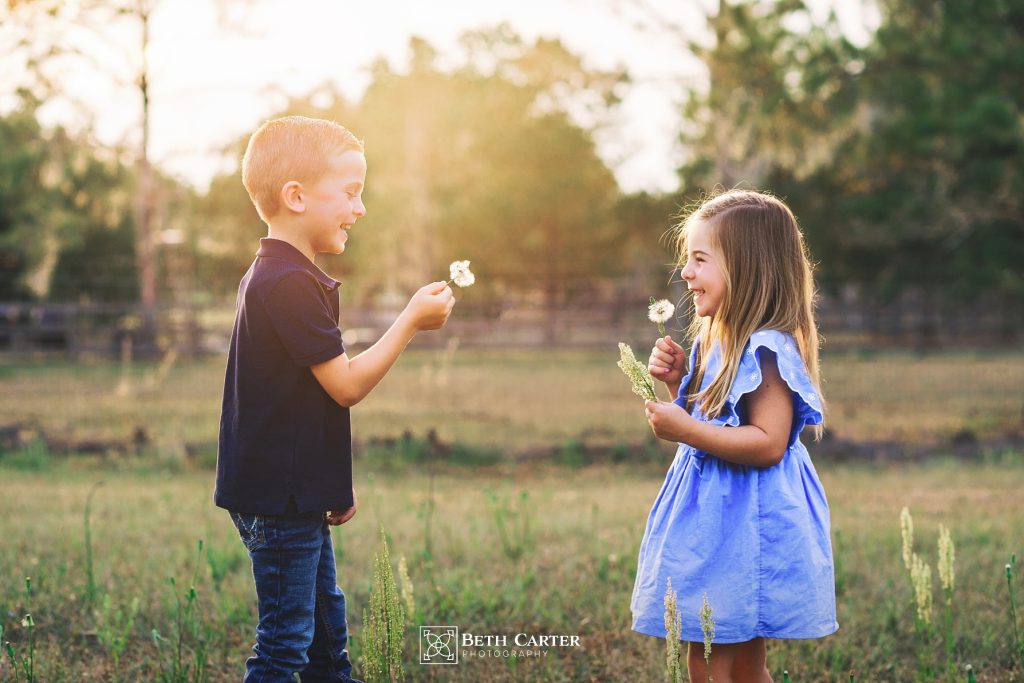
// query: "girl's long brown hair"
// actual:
[[769, 286]]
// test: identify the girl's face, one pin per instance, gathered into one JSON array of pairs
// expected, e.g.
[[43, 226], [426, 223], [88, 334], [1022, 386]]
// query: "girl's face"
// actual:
[[703, 271]]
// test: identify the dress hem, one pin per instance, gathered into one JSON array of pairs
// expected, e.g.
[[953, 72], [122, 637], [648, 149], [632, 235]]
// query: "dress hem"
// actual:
[[722, 639]]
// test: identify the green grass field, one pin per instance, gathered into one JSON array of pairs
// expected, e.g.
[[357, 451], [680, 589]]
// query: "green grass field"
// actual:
[[522, 545], [565, 564], [517, 400]]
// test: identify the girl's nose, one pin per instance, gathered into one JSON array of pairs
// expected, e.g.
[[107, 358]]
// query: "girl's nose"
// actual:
[[687, 272]]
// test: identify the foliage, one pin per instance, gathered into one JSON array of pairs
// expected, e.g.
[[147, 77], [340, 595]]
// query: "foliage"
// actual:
[[482, 160], [902, 158]]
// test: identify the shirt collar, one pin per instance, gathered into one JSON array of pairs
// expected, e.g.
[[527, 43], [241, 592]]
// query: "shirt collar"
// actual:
[[276, 248]]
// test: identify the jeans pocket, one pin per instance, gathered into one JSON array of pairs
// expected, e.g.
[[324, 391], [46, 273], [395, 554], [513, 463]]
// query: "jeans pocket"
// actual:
[[251, 529]]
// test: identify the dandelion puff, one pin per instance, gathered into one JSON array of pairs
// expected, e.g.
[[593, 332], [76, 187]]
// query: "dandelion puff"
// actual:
[[673, 630], [637, 373], [660, 312], [907, 529], [947, 556], [461, 275]]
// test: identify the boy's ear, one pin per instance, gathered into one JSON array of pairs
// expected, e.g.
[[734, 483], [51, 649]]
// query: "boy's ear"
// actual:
[[292, 197]]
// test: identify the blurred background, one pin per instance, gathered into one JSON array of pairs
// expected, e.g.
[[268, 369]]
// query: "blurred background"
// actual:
[[551, 150], [555, 145]]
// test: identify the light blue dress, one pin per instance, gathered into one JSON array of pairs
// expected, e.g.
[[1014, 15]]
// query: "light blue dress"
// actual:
[[755, 540]]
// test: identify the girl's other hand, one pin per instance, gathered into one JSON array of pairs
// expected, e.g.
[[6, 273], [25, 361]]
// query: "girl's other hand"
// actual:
[[668, 421], [668, 361]]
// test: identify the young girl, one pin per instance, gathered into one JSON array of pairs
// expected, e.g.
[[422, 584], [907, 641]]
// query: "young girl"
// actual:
[[742, 516]]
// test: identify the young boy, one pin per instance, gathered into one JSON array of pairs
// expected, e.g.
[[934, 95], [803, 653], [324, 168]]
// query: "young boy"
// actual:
[[284, 467]]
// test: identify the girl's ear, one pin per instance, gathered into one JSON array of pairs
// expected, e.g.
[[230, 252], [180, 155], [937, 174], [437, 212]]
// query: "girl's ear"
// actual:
[[292, 197]]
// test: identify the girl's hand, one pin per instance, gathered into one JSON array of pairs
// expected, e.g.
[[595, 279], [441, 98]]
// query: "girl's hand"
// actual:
[[668, 421], [668, 361]]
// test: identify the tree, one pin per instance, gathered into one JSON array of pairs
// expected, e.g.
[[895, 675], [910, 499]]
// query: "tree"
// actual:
[[483, 162], [58, 194], [932, 182], [902, 158]]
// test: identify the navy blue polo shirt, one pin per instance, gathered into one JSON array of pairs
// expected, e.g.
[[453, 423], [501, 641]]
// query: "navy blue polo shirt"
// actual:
[[282, 436]]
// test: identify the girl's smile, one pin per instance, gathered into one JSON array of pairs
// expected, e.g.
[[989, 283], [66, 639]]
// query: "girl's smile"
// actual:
[[702, 272]]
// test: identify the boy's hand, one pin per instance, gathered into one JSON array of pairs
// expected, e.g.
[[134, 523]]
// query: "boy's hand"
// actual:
[[668, 361], [430, 306], [342, 516]]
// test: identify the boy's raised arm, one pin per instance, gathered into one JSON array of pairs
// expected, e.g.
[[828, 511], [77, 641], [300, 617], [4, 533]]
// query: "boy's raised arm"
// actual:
[[349, 380]]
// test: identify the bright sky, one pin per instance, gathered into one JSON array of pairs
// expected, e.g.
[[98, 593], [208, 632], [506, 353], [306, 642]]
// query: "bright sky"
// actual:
[[211, 84]]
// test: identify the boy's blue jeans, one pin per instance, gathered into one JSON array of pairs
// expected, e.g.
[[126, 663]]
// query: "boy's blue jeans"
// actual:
[[302, 627]]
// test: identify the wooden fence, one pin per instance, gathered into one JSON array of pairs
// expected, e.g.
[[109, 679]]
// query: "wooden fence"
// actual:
[[106, 330]]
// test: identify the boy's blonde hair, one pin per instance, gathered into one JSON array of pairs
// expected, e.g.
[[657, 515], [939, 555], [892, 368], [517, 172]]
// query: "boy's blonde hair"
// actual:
[[290, 148], [769, 285]]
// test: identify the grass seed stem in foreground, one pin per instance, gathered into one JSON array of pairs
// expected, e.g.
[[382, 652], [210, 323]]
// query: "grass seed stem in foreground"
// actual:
[[384, 626], [187, 626], [673, 628], [1018, 644], [26, 663], [947, 579], [707, 627], [91, 592]]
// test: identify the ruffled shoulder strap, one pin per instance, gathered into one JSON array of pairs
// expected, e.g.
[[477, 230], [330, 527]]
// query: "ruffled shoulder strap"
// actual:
[[806, 402]]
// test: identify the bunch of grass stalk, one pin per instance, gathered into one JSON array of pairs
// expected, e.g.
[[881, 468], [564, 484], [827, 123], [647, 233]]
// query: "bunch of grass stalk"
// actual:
[[384, 626], [639, 376], [673, 631], [25, 663], [673, 628], [183, 656], [920, 573]]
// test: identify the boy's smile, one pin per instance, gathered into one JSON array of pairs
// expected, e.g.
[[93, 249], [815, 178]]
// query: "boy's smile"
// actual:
[[334, 203]]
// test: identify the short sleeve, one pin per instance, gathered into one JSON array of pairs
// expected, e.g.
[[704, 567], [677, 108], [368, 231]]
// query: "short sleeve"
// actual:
[[806, 402], [303, 320]]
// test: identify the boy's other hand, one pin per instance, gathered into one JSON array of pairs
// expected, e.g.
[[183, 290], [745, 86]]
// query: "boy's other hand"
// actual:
[[430, 306], [668, 361], [334, 518]]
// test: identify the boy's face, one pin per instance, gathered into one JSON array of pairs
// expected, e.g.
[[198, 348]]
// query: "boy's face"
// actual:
[[335, 202], [703, 272]]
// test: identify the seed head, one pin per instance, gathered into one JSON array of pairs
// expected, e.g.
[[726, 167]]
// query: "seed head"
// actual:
[[673, 627], [947, 556], [637, 373], [707, 627], [921, 576], [907, 529]]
